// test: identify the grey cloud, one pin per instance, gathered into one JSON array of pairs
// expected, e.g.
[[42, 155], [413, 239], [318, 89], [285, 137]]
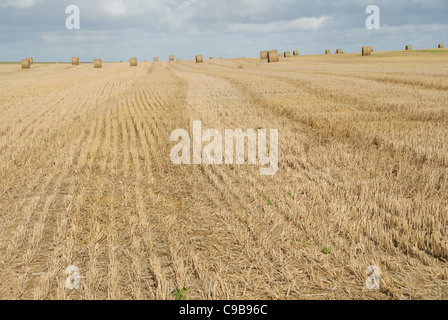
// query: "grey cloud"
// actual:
[[116, 29]]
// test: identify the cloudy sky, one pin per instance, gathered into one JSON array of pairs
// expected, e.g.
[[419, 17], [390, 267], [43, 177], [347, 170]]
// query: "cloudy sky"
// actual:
[[118, 29]]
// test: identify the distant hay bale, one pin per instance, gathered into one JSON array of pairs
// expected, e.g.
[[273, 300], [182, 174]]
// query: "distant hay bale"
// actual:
[[171, 58], [441, 46], [408, 47], [295, 53], [26, 63], [199, 58], [156, 59], [338, 50], [75, 61], [179, 59], [328, 51], [133, 62], [273, 56], [213, 58], [287, 54], [97, 64], [366, 51], [263, 55]]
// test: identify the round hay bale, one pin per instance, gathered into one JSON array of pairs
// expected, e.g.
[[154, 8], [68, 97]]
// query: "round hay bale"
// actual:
[[156, 59], [263, 55], [133, 62], [75, 61], [408, 47], [365, 51], [338, 50], [97, 64], [179, 59], [441, 46], [199, 58], [273, 56], [287, 54], [171, 58], [212, 58], [26, 64], [295, 53]]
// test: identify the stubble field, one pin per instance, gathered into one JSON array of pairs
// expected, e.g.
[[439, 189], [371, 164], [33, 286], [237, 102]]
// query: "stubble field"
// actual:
[[86, 179]]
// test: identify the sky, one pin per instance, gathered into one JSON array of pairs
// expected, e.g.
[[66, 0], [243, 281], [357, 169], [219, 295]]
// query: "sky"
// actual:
[[115, 30]]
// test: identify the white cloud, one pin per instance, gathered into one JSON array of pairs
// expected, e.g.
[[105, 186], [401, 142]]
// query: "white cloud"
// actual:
[[20, 4], [116, 7], [81, 36], [301, 24]]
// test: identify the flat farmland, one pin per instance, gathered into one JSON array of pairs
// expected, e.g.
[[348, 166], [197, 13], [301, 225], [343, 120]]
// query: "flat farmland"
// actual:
[[86, 179]]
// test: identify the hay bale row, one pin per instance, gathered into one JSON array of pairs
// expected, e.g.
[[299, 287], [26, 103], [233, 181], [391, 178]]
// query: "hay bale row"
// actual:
[[75, 61], [408, 47], [273, 56], [133, 62], [441, 46], [199, 58], [97, 64]]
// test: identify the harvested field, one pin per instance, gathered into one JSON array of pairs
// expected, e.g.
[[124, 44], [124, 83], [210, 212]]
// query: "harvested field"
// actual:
[[86, 179]]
